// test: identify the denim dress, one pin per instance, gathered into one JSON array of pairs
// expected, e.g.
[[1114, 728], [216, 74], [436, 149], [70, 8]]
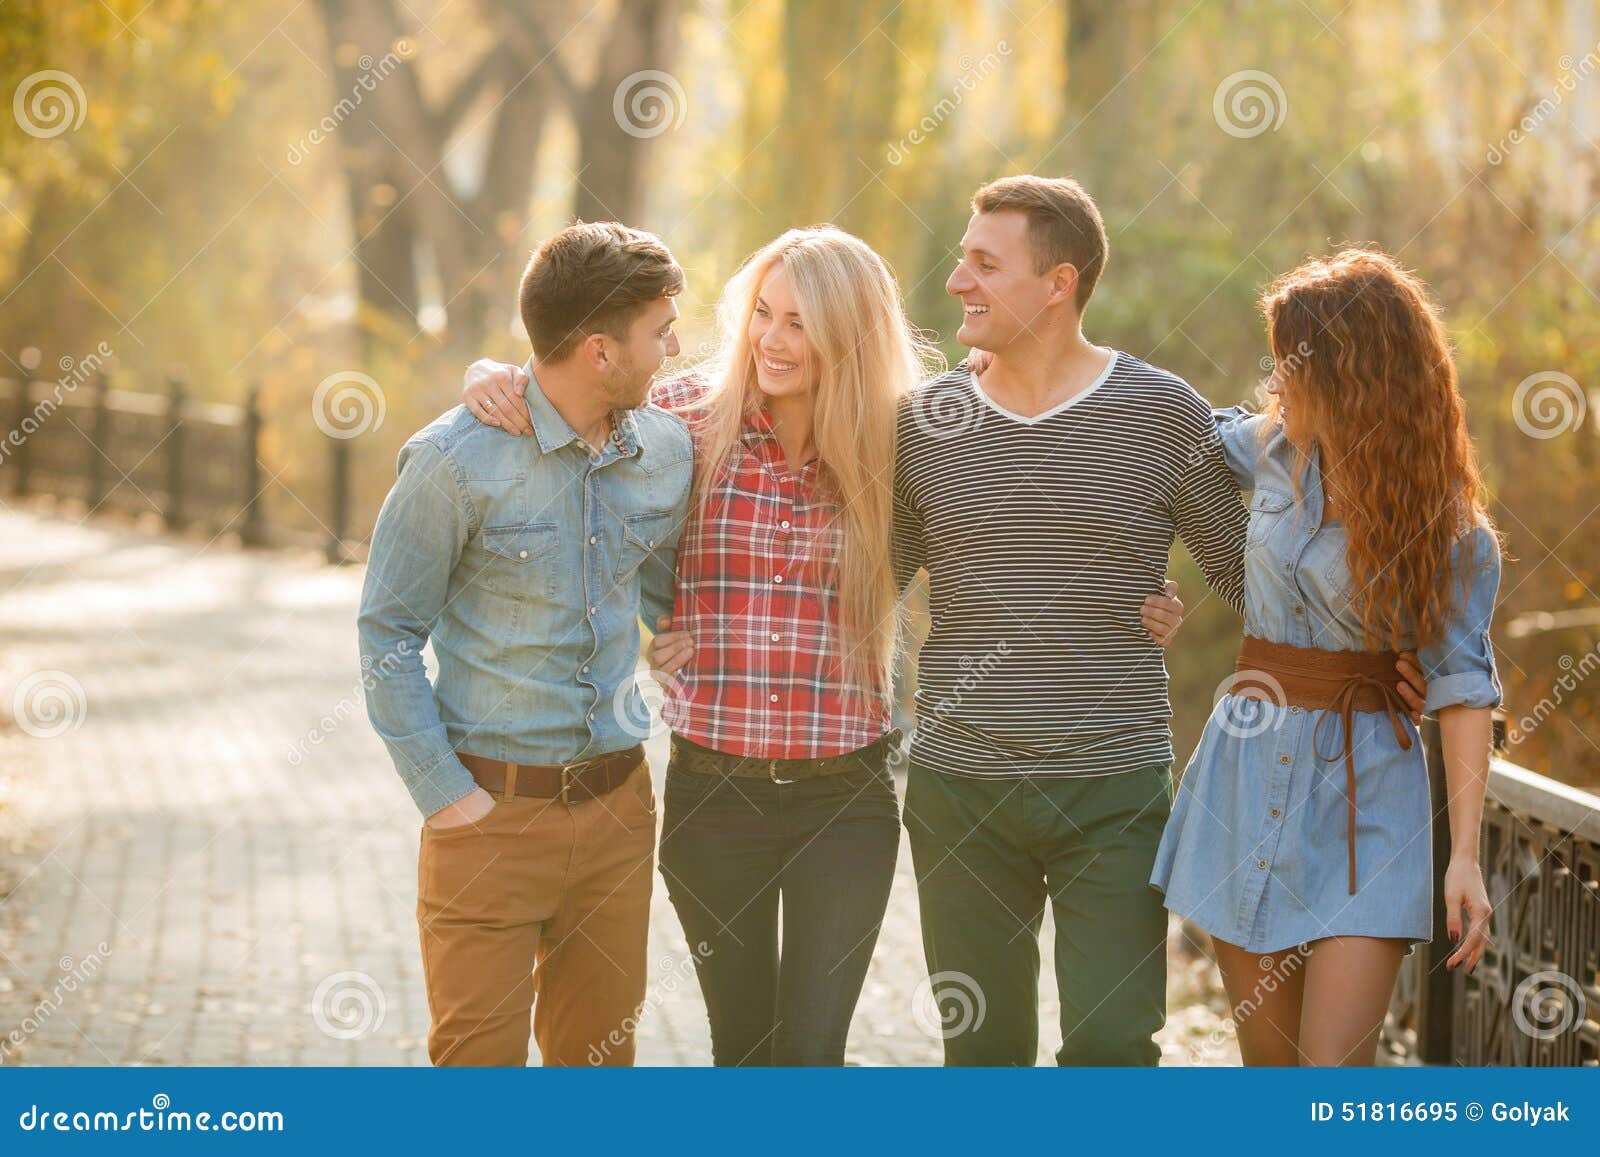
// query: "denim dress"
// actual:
[[1255, 851]]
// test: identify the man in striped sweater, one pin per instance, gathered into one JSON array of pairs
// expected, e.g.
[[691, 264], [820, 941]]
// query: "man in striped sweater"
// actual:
[[1043, 497]]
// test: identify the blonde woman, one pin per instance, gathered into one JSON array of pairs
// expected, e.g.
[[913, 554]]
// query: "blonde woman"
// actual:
[[780, 657]]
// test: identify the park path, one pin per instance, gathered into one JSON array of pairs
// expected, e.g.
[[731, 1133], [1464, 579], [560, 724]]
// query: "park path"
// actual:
[[213, 861]]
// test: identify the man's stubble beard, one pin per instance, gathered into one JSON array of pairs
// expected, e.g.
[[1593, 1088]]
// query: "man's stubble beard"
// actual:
[[625, 391]]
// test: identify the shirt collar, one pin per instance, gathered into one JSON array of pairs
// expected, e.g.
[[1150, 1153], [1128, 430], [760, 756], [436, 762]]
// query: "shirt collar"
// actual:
[[757, 429], [553, 431]]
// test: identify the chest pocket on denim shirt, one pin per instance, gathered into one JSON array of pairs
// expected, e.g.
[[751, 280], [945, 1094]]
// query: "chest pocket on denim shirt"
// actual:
[[1269, 509], [521, 560], [642, 535], [1336, 576]]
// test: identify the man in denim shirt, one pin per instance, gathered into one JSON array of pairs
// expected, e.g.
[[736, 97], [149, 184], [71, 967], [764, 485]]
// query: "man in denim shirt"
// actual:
[[528, 562]]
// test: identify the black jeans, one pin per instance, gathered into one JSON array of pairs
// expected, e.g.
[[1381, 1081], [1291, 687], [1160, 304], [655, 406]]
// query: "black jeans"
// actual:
[[730, 849]]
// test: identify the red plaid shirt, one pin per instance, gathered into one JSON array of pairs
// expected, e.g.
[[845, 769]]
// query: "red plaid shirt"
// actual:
[[765, 680]]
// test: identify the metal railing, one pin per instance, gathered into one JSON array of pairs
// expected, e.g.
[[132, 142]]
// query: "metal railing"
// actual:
[[195, 464], [1534, 999]]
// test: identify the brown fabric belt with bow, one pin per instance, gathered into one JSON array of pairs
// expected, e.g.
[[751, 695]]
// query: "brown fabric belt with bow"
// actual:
[[1339, 682]]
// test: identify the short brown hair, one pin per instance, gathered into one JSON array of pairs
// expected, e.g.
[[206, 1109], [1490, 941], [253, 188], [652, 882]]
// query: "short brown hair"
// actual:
[[1064, 224], [589, 278]]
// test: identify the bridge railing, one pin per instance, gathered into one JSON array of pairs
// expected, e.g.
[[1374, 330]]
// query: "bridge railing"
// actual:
[[1534, 999], [195, 464]]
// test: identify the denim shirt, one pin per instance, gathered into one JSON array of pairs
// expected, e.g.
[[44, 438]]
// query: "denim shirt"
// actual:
[[1298, 586], [527, 562]]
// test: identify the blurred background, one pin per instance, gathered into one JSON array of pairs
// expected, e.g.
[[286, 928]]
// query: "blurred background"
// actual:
[[251, 246]]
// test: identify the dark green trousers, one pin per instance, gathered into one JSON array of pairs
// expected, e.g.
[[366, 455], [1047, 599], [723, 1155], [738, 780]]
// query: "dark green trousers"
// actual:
[[988, 853]]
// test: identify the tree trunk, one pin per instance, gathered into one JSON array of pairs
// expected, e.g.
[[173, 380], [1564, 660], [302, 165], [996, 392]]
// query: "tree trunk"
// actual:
[[613, 150]]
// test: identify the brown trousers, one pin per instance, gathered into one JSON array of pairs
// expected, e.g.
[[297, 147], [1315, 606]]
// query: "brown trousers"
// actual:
[[539, 900]]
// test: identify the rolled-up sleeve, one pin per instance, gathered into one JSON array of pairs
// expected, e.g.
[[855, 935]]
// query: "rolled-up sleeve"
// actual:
[[1459, 661], [1238, 430]]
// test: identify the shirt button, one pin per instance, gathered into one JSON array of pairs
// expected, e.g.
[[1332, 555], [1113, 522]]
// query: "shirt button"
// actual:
[[1294, 711], [777, 578], [591, 717], [591, 610], [784, 524], [1274, 813], [522, 554], [772, 698], [1283, 759], [1299, 610], [593, 539], [586, 668], [650, 543], [1259, 863], [775, 638]]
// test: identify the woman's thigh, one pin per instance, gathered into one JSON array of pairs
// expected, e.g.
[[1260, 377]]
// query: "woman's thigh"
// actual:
[[1349, 983], [1265, 993]]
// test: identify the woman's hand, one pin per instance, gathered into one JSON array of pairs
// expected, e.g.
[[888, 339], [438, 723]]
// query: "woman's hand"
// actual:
[[1413, 687], [1162, 615], [669, 650], [493, 392], [978, 361], [1463, 888]]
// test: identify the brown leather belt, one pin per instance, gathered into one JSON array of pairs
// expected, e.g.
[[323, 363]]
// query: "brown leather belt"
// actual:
[[1340, 682], [690, 756], [568, 782]]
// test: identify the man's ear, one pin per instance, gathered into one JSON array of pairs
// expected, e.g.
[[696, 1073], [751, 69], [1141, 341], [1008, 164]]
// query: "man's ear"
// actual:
[[1064, 283], [596, 352]]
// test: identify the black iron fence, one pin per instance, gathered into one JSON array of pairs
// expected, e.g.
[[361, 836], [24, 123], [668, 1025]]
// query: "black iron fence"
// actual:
[[195, 464], [1534, 999]]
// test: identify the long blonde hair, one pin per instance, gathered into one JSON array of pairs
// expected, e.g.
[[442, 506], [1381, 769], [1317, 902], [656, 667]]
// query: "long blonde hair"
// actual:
[[867, 355]]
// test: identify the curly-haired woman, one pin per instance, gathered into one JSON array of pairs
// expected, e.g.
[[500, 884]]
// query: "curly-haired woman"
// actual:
[[1301, 828]]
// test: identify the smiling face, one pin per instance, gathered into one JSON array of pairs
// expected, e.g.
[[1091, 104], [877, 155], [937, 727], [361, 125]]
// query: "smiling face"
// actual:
[[783, 353], [1002, 297], [633, 361]]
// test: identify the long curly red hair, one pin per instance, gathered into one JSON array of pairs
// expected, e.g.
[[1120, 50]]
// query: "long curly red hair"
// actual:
[[1361, 350]]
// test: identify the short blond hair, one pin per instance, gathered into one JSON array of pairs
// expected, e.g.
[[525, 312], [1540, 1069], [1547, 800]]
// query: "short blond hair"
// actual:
[[1064, 224]]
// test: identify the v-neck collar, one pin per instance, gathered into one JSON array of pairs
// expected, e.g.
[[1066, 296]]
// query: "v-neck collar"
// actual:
[[1058, 408]]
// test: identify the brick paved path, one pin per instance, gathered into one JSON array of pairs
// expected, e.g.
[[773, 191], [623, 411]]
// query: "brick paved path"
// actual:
[[215, 837]]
